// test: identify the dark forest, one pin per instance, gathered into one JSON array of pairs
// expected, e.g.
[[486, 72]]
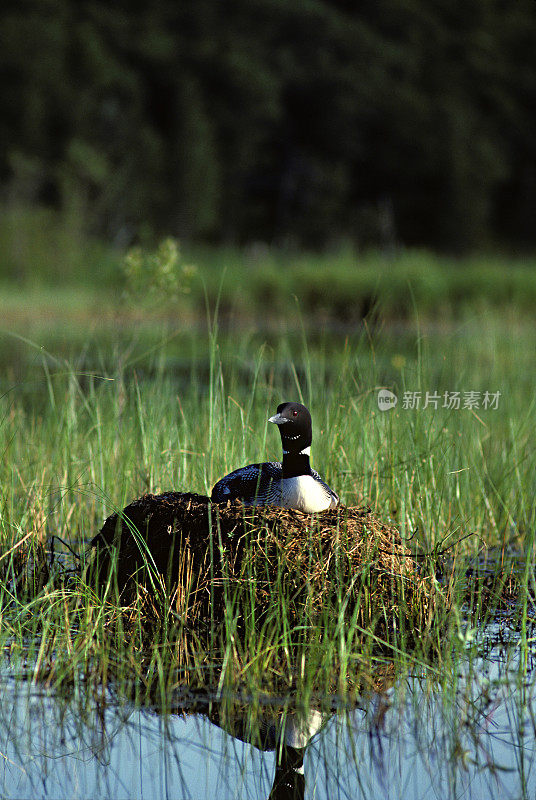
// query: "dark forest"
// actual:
[[309, 122]]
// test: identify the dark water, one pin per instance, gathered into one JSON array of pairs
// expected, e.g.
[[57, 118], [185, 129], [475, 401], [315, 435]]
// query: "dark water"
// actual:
[[470, 734]]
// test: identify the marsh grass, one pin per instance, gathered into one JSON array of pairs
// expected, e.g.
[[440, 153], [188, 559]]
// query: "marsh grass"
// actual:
[[82, 437], [264, 572], [47, 254]]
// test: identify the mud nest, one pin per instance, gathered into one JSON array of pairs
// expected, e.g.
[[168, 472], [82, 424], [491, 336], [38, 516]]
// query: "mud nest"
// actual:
[[207, 558]]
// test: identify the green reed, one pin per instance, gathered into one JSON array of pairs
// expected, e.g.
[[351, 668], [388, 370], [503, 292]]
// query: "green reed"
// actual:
[[83, 434]]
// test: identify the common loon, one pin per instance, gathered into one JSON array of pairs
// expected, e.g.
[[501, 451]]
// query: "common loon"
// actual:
[[291, 484]]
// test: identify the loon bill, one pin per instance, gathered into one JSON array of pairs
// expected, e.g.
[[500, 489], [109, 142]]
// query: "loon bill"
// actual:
[[289, 484]]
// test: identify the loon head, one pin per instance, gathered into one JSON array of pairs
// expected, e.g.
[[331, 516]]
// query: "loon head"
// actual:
[[294, 422]]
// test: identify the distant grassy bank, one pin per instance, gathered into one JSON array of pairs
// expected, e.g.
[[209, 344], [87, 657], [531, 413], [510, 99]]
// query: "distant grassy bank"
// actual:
[[48, 266]]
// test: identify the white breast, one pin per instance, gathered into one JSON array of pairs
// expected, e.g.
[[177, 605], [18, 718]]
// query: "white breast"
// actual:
[[306, 494]]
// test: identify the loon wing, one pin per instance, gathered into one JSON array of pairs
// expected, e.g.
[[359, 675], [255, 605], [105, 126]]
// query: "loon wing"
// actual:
[[330, 491], [247, 483]]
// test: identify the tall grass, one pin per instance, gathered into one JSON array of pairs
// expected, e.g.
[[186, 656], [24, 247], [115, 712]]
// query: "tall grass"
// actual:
[[81, 437]]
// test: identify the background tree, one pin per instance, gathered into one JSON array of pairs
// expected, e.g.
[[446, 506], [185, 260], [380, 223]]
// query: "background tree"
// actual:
[[307, 122]]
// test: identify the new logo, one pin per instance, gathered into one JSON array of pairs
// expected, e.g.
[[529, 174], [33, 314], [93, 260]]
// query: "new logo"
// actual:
[[386, 400]]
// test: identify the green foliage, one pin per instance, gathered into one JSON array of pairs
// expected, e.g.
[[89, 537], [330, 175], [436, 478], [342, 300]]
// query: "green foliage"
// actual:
[[138, 415], [41, 252], [102, 408], [41, 248], [158, 276], [304, 122]]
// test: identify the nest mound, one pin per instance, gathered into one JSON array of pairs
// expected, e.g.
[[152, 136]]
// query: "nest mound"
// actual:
[[202, 555]]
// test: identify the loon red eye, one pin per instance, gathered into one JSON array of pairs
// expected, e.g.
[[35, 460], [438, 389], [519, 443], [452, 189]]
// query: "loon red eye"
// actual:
[[294, 413]]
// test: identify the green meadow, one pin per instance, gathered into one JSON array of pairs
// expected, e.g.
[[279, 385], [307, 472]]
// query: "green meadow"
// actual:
[[164, 380], [109, 393], [352, 190]]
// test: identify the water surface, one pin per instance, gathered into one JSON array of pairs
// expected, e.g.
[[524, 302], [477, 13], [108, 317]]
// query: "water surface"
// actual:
[[470, 735]]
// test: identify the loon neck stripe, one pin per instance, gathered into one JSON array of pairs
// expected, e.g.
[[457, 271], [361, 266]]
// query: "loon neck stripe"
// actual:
[[305, 452]]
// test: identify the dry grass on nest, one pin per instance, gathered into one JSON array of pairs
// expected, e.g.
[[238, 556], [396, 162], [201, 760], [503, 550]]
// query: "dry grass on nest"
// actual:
[[205, 556]]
